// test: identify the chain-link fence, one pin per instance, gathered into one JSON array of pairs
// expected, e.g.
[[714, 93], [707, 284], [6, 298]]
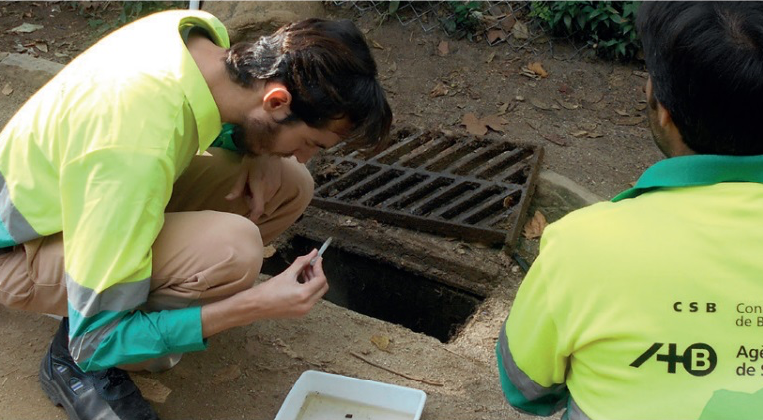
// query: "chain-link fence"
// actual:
[[494, 22]]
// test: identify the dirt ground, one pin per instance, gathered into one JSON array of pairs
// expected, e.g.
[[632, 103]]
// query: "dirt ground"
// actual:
[[587, 114]]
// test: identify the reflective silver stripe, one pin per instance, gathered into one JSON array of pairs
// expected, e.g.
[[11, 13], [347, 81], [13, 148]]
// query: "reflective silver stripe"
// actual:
[[17, 226], [83, 347], [119, 297], [530, 389], [574, 412]]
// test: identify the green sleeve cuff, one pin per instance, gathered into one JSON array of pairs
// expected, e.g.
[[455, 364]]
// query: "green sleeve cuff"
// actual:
[[182, 330]]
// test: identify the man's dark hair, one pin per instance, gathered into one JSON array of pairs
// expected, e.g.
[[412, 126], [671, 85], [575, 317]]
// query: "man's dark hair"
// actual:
[[706, 64], [329, 71]]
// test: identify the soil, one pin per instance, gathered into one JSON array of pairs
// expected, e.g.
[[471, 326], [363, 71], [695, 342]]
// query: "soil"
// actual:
[[587, 114]]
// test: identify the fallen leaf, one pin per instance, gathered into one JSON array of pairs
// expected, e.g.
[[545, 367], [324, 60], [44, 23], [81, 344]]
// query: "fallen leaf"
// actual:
[[376, 45], [622, 112], [519, 98], [535, 226], [508, 202], [630, 120], [442, 49], [151, 389], [495, 35], [589, 126], [556, 139], [226, 374], [473, 125], [439, 90], [26, 28], [567, 105], [494, 122], [540, 104], [508, 23], [640, 107], [537, 68], [268, 251], [503, 108], [7, 89], [381, 342], [595, 135], [520, 31], [578, 134], [524, 71], [490, 58], [41, 46]]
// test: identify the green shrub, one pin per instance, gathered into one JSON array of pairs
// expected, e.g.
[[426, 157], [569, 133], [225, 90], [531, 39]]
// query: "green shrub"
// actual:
[[608, 27]]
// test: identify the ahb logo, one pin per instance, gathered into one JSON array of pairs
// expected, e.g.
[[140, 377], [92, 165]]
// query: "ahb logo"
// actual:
[[699, 359]]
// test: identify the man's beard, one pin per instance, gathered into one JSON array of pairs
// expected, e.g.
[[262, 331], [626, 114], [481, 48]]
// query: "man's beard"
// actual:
[[256, 137]]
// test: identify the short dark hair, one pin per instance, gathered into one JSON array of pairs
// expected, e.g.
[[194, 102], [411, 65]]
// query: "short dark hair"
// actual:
[[329, 71], [705, 60]]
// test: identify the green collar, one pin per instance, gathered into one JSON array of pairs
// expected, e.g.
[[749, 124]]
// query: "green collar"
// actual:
[[696, 170]]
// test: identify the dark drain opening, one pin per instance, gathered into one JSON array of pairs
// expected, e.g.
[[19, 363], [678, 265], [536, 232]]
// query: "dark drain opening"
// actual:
[[384, 291]]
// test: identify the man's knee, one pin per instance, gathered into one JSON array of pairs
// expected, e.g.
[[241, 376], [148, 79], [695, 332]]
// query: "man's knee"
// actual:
[[301, 182], [242, 250]]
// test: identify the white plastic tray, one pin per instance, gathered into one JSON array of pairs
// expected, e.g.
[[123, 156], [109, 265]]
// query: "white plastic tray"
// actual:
[[324, 396]]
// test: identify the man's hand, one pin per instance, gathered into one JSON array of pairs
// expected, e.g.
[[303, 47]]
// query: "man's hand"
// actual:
[[283, 296], [259, 180], [294, 292]]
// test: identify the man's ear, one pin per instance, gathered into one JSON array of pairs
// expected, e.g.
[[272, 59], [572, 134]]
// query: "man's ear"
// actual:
[[276, 98]]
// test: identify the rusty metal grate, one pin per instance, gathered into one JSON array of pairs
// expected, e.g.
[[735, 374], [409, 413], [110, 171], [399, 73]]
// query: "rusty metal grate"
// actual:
[[477, 189]]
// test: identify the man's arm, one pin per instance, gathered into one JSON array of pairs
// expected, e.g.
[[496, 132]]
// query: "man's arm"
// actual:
[[113, 201], [532, 363]]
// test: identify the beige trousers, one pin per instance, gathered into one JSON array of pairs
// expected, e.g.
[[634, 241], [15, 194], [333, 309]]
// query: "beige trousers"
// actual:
[[205, 251]]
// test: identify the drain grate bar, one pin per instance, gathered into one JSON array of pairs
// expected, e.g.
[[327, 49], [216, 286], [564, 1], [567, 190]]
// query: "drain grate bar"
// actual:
[[475, 189]]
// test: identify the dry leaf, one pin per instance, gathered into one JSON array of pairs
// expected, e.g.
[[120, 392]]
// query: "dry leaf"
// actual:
[[508, 23], [495, 35], [556, 139], [151, 389], [524, 71], [580, 133], [268, 251], [376, 45], [381, 342], [567, 105], [41, 46], [26, 28], [622, 112], [473, 125], [640, 107], [490, 58], [508, 201], [439, 90], [537, 68], [540, 104], [503, 108], [226, 374], [643, 74], [442, 49], [595, 135], [7, 89], [535, 226], [630, 120], [494, 122], [520, 31]]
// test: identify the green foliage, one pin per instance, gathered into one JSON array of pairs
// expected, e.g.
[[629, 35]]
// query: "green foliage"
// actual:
[[609, 27], [466, 19]]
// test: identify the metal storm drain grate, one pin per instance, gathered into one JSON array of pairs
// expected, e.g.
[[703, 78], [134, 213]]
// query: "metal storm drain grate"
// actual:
[[477, 189]]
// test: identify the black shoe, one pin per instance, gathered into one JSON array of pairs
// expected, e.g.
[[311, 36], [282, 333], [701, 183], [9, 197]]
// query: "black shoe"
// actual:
[[105, 394]]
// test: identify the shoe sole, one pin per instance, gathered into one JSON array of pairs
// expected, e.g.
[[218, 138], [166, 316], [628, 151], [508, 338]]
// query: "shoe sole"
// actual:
[[55, 393]]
